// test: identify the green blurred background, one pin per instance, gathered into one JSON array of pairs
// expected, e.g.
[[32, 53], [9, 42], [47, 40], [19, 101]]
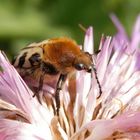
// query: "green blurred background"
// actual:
[[26, 21]]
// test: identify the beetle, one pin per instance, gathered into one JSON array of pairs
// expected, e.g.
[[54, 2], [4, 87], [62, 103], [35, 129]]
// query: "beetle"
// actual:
[[56, 56]]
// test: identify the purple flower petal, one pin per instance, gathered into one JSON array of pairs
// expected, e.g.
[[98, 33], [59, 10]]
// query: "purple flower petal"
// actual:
[[121, 36], [89, 43], [135, 38]]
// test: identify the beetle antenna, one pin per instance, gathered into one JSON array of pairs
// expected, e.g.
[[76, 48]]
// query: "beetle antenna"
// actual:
[[82, 28], [96, 76]]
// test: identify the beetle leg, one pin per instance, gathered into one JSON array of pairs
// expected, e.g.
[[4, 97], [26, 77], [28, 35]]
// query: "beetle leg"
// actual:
[[99, 85], [41, 79], [60, 83]]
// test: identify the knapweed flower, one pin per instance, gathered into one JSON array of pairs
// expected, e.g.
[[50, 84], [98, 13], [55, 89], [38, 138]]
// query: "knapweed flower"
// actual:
[[84, 115]]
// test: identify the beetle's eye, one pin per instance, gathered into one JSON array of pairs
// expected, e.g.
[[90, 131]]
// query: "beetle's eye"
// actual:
[[79, 66]]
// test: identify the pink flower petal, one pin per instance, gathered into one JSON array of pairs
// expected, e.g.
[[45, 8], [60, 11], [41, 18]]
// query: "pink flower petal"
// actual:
[[88, 42], [14, 130], [121, 35], [135, 38], [16, 92]]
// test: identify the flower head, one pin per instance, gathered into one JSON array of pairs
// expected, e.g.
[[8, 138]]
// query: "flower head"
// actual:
[[83, 113]]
